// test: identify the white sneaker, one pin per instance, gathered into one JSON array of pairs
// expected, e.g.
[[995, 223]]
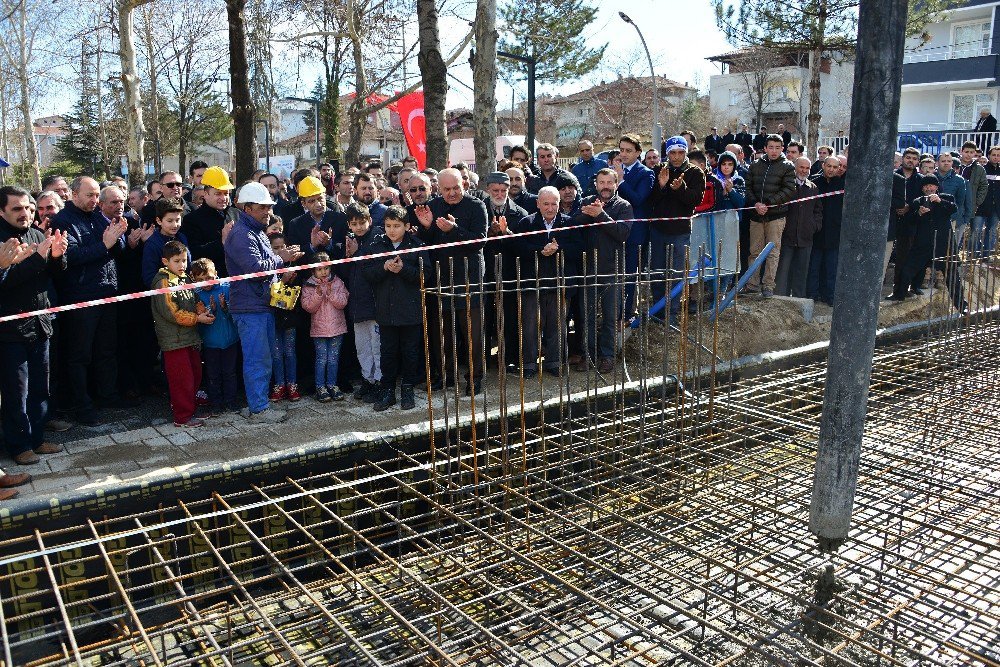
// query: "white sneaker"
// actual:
[[269, 415]]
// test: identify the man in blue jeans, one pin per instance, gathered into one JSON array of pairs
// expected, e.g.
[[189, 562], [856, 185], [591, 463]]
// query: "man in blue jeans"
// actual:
[[249, 251]]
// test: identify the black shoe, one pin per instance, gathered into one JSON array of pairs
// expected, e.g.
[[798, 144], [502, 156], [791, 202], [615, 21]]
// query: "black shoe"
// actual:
[[88, 418], [554, 372], [436, 385], [363, 390], [474, 388], [374, 394], [406, 400], [386, 400], [896, 297], [917, 291]]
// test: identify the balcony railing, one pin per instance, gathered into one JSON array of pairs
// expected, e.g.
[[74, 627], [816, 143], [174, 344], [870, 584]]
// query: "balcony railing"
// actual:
[[972, 49], [927, 141]]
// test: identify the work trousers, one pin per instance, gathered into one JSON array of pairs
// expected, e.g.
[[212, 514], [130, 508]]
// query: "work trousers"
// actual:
[[256, 340], [183, 369], [24, 394]]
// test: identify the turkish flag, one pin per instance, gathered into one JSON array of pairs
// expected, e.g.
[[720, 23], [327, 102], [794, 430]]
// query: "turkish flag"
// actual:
[[411, 115]]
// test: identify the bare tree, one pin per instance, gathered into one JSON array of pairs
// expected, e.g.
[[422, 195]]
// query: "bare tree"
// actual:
[[755, 67], [29, 40], [192, 46], [484, 81]]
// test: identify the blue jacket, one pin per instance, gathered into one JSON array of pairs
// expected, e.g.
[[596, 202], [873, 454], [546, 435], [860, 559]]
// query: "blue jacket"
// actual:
[[377, 209], [152, 255], [585, 172], [736, 197], [636, 187], [248, 251], [953, 184], [91, 272], [221, 333]]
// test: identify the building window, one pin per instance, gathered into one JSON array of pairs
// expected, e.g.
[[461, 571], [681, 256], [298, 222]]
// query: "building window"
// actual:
[[971, 39], [734, 97], [965, 106]]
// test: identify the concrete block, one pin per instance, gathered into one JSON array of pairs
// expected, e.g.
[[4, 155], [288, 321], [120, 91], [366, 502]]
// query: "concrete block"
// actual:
[[85, 445], [182, 438], [135, 435], [805, 305], [158, 441]]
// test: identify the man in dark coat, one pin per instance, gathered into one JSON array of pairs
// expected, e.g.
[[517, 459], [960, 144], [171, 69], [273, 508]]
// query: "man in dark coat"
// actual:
[[714, 142], [786, 136], [727, 138], [826, 243], [207, 228], [455, 216], [90, 334], [986, 123], [171, 185], [545, 237], [905, 215], [602, 278], [504, 216], [760, 141], [24, 343], [803, 220], [519, 194], [679, 187], [745, 139]]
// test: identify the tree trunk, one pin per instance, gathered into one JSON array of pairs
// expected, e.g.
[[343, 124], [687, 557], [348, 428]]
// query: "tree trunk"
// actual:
[[31, 150], [4, 145], [815, 69], [358, 114], [330, 118], [434, 74], [98, 79], [133, 97], [484, 82], [154, 92], [183, 123], [243, 111]]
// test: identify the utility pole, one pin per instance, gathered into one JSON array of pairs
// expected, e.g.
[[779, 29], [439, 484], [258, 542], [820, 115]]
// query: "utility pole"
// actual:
[[878, 75], [530, 62]]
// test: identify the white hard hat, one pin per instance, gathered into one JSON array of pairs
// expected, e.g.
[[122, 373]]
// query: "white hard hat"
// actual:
[[254, 193]]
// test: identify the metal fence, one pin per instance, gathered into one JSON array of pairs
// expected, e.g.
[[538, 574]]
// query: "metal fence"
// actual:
[[928, 141]]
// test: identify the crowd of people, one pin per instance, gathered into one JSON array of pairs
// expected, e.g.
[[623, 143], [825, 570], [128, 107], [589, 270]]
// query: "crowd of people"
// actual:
[[347, 325]]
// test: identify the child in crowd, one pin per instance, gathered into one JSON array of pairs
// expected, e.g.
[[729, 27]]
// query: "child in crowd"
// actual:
[[398, 309], [168, 228], [220, 340], [362, 311], [283, 360], [175, 315], [324, 295]]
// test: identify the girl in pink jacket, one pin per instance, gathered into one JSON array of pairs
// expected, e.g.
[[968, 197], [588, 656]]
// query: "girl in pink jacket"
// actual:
[[324, 296]]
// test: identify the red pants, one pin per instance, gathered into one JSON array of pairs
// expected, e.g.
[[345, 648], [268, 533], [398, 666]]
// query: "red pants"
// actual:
[[183, 368]]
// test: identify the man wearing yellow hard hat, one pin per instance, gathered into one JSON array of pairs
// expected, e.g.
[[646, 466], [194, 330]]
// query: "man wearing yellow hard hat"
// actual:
[[319, 228], [207, 227]]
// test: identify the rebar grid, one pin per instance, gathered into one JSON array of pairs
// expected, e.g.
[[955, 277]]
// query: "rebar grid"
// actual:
[[665, 522]]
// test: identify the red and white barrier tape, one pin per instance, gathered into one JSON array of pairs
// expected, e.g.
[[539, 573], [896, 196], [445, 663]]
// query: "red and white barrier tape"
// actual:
[[306, 267]]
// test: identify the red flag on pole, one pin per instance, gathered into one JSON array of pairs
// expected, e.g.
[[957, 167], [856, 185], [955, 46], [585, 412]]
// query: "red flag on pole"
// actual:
[[411, 115]]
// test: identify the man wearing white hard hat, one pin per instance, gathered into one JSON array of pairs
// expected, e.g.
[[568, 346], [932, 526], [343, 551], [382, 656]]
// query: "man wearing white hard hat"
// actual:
[[248, 251]]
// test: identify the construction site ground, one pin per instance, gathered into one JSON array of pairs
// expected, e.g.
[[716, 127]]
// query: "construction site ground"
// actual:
[[143, 444]]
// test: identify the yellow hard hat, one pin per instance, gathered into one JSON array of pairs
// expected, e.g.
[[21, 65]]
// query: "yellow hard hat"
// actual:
[[310, 186], [216, 177]]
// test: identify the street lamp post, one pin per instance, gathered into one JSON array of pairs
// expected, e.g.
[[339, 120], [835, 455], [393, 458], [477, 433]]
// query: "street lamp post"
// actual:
[[530, 61], [657, 133], [315, 102]]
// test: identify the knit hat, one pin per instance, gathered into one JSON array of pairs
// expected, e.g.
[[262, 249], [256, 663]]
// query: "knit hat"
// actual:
[[675, 143], [566, 180], [497, 177], [929, 179]]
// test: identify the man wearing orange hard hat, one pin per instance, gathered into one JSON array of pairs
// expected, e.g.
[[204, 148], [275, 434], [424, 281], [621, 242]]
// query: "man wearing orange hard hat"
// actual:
[[208, 227]]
